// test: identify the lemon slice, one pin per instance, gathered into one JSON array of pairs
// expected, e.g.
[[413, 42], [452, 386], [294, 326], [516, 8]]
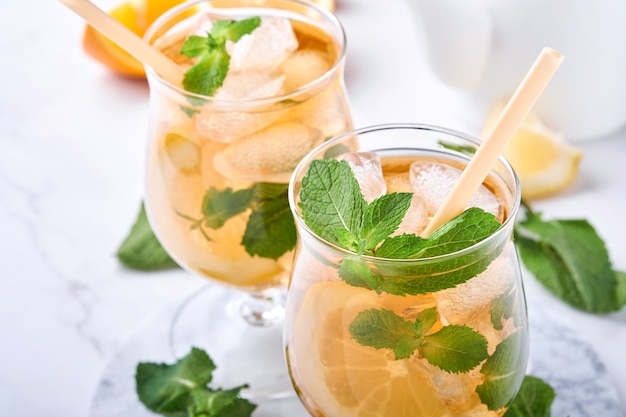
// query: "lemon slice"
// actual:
[[339, 377], [544, 162]]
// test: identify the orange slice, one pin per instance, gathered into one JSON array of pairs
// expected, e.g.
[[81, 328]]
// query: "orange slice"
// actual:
[[136, 16], [337, 376]]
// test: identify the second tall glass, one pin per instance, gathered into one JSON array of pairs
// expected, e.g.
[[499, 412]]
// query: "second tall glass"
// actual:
[[218, 169]]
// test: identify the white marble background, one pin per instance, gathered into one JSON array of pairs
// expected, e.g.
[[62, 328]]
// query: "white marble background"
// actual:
[[71, 176]]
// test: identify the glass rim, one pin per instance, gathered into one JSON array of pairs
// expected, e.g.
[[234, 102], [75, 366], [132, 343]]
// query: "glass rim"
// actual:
[[308, 158], [169, 14]]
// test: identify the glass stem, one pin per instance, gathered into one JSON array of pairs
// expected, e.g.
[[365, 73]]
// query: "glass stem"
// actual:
[[263, 310]]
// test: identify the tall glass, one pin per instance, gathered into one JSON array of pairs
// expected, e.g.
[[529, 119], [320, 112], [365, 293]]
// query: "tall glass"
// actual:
[[218, 168], [440, 313]]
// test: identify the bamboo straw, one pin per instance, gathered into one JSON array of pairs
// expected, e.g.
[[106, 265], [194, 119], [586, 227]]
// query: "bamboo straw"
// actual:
[[127, 40], [497, 138]]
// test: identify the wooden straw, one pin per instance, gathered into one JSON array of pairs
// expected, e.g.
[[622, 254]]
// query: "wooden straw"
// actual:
[[127, 40], [497, 138]]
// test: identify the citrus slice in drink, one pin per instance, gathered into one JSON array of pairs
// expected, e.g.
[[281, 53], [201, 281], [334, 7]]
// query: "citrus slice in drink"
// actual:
[[544, 162], [339, 377]]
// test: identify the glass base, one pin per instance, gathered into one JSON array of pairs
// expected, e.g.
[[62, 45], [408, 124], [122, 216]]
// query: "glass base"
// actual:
[[242, 334]]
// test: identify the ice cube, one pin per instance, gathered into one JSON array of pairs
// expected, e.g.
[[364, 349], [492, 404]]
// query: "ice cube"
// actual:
[[227, 126], [228, 120], [328, 111], [269, 155], [265, 48], [368, 171], [434, 181], [250, 85], [304, 66], [475, 296], [416, 217], [456, 391]]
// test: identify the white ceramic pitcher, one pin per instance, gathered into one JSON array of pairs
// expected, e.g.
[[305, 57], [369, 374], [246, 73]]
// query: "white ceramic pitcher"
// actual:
[[484, 48]]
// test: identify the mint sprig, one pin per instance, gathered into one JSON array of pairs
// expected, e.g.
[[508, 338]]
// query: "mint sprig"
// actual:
[[333, 207], [570, 259], [181, 389], [270, 231], [453, 348], [208, 74]]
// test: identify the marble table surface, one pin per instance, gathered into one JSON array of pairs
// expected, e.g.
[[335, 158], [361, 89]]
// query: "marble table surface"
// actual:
[[72, 139]]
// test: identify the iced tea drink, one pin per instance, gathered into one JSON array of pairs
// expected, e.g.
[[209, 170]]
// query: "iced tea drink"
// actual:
[[383, 321], [218, 166]]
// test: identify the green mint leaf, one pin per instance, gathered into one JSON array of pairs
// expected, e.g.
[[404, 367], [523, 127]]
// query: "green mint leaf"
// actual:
[[400, 247], [208, 74], [195, 46], [233, 30], [271, 231], [382, 218], [180, 389], [425, 321], [534, 399], [464, 149], [569, 259], [502, 308], [465, 230], [221, 403], [455, 349], [166, 388], [331, 200], [503, 372], [355, 271], [382, 329], [141, 249], [621, 287], [219, 206]]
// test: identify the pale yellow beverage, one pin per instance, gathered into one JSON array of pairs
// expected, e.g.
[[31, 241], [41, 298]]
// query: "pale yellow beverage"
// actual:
[[218, 167], [454, 338]]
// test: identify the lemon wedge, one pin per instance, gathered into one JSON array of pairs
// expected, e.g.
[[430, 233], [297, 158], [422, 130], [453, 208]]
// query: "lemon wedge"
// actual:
[[543, 160]]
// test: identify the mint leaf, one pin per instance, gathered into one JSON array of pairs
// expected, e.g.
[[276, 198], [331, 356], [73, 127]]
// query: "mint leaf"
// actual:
[[219, 206], [141, 249], [534, 399], [455, 348], [233, 30], [195, 46], [425, 321], [271, 231], [331, 200], [180, 389], [166, 388], [398, 246], [504, 371], [502, 308], [621, 287], [356, 272], [208, 74], [384, 329], [382, 218], [569, 259], [465, 230], [220, 403]]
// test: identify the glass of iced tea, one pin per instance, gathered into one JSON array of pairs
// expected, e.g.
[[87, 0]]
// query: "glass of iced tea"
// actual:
[[219, 163], [383, 320]]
